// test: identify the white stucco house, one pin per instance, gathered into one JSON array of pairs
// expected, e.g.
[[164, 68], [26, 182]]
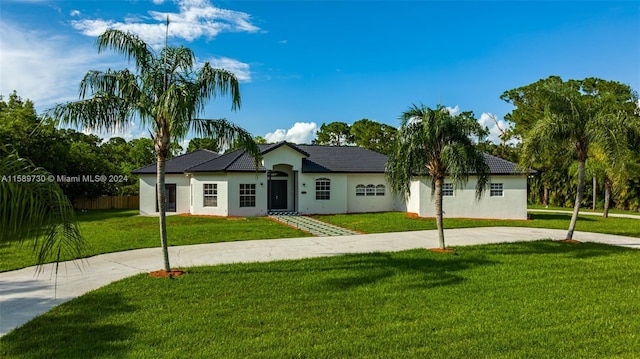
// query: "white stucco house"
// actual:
[[312, 179]]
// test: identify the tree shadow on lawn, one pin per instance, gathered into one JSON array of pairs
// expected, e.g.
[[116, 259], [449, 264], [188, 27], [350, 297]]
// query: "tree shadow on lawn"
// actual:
[[553, 247], [102, 214], [543, 216], [425, 269], [71, 331]]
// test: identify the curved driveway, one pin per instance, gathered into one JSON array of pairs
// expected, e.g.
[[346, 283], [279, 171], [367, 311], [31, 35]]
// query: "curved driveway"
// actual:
[[23, 295]]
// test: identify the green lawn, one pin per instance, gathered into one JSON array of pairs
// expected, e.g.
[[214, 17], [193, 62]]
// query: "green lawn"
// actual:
[[598, 210], [118, 230], [522, 300], [399, 222]]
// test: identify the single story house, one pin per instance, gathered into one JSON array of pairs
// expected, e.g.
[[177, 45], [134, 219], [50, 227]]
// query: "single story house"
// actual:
[[313, 179]]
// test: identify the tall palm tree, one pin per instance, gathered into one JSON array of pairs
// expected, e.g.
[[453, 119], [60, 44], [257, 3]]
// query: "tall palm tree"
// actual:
[[438, 144], [166, 93], [33, 207], [580, 115]]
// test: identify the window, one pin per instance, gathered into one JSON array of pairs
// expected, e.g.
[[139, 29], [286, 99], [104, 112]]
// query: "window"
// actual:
[[380, 189], [447, 189], [360, 190], [496, 190], [210, 195], [247, 195], [371, 190], [323, 189]]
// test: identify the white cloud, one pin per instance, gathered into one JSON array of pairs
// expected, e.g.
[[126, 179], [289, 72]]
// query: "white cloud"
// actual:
[[301, 132], [74, 13], [240, 69], [195, 19], [44, 68], [453, 110], [487, 120], [158, 2]]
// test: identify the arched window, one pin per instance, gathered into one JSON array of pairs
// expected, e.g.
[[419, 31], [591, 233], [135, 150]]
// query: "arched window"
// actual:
[[323, 189], [360, 190], [380, 190], [371, 190]]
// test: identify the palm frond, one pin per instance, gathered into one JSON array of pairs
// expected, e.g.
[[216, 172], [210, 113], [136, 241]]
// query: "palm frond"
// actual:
[[127, 44], [36, 210], [213, 82]]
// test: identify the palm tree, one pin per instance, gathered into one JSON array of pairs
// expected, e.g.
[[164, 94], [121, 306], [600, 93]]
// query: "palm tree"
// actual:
[[166, 93], [435, 143], [580, 115], [33, 207]]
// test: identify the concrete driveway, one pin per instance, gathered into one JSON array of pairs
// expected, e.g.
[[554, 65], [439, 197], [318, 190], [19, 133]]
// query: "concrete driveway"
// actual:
[[23, 295]]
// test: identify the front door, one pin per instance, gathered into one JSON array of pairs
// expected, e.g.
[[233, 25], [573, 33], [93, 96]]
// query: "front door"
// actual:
[[170, 192], [170, 198], [278, 194]]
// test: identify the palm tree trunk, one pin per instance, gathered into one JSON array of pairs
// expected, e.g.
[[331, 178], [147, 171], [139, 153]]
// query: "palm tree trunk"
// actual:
[[607, 197], [438, 194], [545, 196], [579, 194], [595, 193], [162, 208]]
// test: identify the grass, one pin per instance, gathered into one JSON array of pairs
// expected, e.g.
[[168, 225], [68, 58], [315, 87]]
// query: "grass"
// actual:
[[400, 222], [109, 231], [522, 300], [583, 209], [118, 230]]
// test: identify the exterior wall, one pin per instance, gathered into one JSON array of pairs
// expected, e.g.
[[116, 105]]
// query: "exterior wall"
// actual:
[[283, 155], [197, 194], [360, 204], [148, 193], [233, 194], [307, 202], [512, 205]]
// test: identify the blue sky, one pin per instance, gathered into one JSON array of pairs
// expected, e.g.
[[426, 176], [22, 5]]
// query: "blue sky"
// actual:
[[304, 63]]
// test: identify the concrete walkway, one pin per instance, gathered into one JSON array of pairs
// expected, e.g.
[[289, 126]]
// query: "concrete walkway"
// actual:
[[313, 226], [24, 296]]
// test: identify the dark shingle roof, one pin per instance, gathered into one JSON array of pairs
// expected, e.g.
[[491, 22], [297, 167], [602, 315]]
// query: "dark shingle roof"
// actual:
[[232, 161], [180, 163], [317, 159], [500, 166], [342, 159]]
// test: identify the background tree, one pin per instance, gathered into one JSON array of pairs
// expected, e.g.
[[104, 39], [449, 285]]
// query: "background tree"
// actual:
[[198, 143], [334, 134], [165, 92], [373, 135], [577, 116], [435, 143]]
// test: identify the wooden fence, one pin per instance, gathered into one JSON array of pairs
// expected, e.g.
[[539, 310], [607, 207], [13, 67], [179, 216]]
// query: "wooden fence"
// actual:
[[108, 202]]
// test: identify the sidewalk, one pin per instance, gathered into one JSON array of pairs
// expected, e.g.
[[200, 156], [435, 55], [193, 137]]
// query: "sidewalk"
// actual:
[[24, 296]]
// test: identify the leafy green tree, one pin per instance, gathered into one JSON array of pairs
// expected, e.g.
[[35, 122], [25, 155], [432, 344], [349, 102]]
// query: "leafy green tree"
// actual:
[[34, 138], [579, 116], [432, 142], [334, 134], [166, 92], [373, 135], [34, 208], [197, 143]]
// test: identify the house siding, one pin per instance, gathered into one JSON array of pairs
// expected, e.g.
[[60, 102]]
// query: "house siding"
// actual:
[[360, 204], [511, 205], [148, 193]]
